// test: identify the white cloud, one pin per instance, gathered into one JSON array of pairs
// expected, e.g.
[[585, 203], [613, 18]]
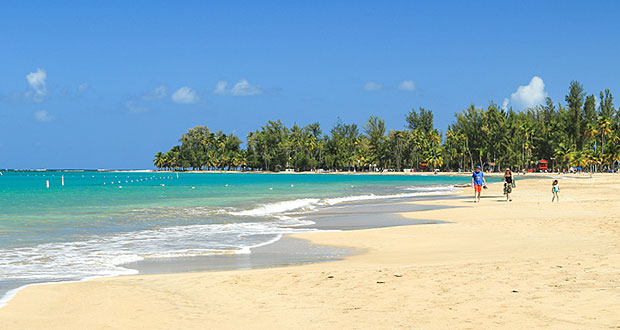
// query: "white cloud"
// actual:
[[158, 93], [505, 104], [43, 116], [372, 86], [140, 104], [244, 88], [407, 85], [241, 88], [135, 107], [36, 80], [220, 87], [83, 87], [185, 95], [529, 95]]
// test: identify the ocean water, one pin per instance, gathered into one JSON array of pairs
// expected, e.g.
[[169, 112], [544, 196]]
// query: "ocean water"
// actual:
[[99, 221]]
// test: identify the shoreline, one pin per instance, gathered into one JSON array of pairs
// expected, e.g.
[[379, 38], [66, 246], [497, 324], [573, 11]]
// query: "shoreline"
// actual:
[[417, 173], [525, 264], [281, 252]]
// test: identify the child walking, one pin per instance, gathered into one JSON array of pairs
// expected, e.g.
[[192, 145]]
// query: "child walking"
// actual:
[[555, 190]]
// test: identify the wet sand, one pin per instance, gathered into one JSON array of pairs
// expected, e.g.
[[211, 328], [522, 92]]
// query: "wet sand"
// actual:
[[290, 251]]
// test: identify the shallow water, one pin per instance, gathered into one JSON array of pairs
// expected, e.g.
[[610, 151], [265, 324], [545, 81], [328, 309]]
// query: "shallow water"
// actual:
[[99, 221]]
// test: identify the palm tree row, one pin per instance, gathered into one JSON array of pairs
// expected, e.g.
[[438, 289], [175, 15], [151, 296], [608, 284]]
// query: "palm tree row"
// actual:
[[200, 149], [580, 133]]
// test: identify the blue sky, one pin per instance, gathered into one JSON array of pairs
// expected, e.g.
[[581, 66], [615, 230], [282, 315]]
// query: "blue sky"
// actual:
[[108, 84]]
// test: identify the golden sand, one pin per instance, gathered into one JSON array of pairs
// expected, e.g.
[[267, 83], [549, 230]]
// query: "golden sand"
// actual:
[[497, 265]]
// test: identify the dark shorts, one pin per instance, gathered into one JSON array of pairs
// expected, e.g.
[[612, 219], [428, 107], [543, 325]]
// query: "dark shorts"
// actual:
[[507, 188]]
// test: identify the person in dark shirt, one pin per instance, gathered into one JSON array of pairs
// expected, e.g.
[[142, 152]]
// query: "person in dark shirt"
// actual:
[[508, 182]]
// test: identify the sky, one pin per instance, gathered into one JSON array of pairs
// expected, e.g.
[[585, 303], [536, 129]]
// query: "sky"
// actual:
[[107, 84]]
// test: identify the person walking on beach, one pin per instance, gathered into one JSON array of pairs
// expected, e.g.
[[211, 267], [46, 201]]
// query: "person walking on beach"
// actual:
[[555, 190], [508, 182], [478, 181]]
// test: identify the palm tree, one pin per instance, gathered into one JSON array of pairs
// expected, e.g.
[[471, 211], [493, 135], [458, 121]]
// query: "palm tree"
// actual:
[[416, 142], [433, 157], [604, 127], [562, 154], [159, 160], [527, 130], [591, 131], [579, 158]]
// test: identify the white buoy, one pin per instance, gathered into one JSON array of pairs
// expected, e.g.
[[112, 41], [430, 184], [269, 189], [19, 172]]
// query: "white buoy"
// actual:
[[47, 183], [120, 186], [292, 186], [193, 187], [62, 180], [226, 185], [270, 188]]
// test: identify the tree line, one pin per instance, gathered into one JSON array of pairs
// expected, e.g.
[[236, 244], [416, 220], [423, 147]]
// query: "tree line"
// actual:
[[583, 132]]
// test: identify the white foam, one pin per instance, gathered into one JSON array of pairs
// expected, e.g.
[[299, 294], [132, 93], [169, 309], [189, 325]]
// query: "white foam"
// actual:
[[4, 300], [105, 255], [280, 207], [339, 200], [10, 295], [248, 249], [303, 205]]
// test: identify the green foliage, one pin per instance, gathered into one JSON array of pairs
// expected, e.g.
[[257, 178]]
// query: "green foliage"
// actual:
[[574, 100], [581, 134], [422, 121], [375, 131]]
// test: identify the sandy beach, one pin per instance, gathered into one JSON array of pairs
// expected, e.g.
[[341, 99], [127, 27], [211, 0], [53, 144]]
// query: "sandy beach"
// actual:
[[522, 265]]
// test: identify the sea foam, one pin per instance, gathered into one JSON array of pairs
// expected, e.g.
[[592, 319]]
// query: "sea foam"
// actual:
[[302, 205]]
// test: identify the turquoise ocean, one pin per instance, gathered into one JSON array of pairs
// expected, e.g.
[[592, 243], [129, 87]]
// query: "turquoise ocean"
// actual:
[[99, 221]]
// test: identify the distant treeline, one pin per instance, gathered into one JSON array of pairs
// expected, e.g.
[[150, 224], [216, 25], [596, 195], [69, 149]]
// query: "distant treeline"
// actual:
[[584, 132]]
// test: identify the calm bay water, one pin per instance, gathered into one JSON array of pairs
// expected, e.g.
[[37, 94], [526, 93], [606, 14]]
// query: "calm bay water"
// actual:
[[98, 221]]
